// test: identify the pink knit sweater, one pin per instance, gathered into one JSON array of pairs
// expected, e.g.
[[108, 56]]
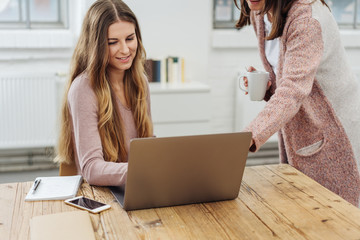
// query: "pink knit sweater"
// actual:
[[314, 100], [89, 157]]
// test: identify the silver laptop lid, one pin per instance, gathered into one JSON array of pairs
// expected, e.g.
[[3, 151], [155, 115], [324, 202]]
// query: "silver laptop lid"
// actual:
[[183, 170]]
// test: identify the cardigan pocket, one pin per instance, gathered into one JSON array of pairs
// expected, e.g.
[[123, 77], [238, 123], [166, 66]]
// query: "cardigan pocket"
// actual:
[[311, 149]]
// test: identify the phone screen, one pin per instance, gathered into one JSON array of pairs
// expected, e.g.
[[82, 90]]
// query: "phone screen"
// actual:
[[87, 203]]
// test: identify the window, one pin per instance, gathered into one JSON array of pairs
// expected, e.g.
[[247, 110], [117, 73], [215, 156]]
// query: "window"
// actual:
[[225, 14], [33, 14], [346, 13]]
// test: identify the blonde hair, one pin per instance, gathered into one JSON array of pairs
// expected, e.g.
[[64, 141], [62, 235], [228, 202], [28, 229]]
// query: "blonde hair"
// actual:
[[91, 55]]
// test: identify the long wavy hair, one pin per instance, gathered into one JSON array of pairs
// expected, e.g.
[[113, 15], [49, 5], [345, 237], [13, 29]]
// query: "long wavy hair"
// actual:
[[91, 55], [279, 10]]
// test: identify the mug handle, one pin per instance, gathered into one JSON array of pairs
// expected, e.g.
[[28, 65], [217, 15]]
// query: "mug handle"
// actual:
[[243, 88]]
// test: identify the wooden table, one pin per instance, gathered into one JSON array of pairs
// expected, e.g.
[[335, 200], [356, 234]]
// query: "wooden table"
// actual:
[[275, 202]]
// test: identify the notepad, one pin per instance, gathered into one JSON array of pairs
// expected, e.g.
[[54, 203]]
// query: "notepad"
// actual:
[[74, 225], [55, 188]]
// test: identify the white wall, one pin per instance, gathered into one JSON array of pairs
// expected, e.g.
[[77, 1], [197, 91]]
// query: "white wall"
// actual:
[[173, 27], [180, 28]]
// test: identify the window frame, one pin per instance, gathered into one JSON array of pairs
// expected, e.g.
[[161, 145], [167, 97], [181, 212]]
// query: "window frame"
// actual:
[[26, 23], [355, 24], [22, 42]]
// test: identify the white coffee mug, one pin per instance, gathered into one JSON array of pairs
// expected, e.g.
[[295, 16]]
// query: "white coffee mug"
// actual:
[[257, 84]]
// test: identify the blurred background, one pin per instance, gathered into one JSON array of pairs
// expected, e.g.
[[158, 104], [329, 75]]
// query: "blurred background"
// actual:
[[37, 38]]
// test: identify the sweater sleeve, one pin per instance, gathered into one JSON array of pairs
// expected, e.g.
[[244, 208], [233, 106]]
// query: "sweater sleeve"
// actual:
[[83, 109], [303, 52]]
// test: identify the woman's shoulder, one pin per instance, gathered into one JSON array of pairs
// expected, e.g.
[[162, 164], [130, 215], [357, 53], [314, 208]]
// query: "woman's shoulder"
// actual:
[[302, 9], [81, 81], [81, 88]]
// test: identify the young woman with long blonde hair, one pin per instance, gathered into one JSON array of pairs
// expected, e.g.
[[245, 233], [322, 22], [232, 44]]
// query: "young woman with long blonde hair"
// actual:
[[107, 100]]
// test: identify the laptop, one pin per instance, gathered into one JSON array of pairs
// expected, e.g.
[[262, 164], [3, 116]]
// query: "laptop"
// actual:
[[169, 171]]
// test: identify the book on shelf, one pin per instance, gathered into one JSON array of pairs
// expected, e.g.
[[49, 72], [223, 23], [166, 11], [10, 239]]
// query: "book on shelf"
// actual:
[[152, 69], [54, 188], [157, 70], [166, 70], [149, 69]]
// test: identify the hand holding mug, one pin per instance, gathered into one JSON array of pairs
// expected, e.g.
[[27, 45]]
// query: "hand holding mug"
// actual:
[[256, 82], [248, 69]]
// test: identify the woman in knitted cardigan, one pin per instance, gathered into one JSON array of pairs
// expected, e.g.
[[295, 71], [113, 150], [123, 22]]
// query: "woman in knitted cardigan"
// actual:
[[314, 99]]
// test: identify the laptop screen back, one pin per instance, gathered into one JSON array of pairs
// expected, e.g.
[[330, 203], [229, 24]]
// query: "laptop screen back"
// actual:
[[182, 170]]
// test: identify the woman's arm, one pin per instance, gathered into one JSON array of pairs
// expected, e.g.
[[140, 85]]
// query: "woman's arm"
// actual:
[[304, 48], [83, 108]]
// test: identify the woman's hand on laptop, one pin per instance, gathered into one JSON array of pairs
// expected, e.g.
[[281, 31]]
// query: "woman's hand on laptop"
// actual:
[[251, 143], [252, 146]]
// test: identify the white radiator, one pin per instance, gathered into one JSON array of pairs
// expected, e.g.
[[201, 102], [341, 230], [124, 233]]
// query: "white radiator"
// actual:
[[28, 110]]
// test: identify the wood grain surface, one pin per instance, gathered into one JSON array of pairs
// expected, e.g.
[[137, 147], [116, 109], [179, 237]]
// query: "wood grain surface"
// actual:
[[275, 202]]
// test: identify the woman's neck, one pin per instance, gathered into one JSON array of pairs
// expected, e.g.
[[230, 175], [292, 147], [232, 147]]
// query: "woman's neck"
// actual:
[[116, 78], [117, 84]]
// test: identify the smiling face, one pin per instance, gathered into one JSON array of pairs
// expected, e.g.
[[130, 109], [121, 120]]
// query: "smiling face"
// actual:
[[256, 5], [123, 44]]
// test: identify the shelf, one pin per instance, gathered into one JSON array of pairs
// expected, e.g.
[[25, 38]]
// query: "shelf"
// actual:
[[178, 87]]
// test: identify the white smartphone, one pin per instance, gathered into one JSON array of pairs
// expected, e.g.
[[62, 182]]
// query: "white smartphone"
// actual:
[[87, 204]]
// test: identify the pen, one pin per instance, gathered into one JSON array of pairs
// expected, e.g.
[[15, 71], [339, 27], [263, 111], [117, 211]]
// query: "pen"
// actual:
[[36, 184]]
